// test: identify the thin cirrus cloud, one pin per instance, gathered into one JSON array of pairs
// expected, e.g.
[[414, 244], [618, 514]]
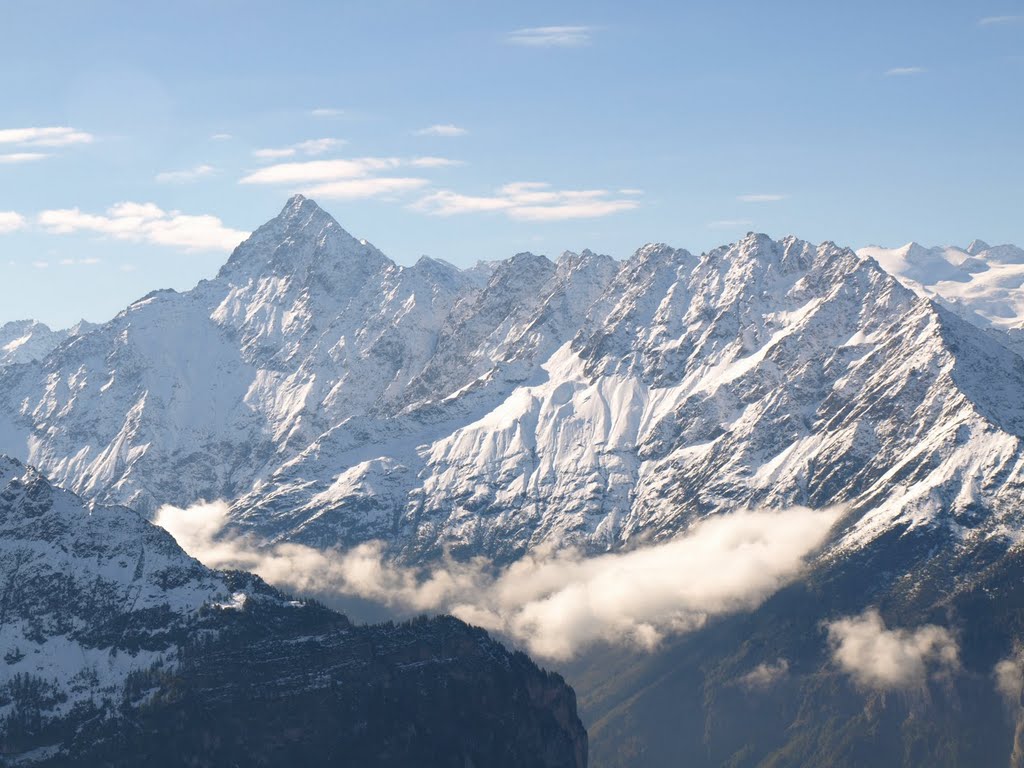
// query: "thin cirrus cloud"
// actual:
[[10, 221], [527, 201], [146, 222], [991, 21], [358, 189], [45, 137], [730, 224], [12, 158], [762, 198], [32, 139], [551, 37], [348, 179], [185, 176], [320, 170], [434, 162], [326, 112], [442, 129], [905, 71], [86, 262], [308, 147]]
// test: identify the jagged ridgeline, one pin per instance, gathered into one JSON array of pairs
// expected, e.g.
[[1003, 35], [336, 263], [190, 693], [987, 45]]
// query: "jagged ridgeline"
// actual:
[[332, 397], [121, 650]]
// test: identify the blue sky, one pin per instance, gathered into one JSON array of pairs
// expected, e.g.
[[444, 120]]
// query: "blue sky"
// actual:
[[138, 141]]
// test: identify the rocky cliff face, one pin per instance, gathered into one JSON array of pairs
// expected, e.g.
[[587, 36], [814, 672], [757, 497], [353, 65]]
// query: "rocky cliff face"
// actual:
[[120, 648]]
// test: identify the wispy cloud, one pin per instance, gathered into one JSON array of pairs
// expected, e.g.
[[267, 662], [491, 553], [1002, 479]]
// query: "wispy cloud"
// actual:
[[905, 71], [434, 162], [347, 179], [991, 21], [318, 146], [41, 264], [446, 129], [146, 222], [527, 201], [86, 262], [308, 147], [631, 191], [22, 157], [221, 137], [762, 198], [374, 186], [765, 675], [890, 659], [44, 137], [554, 603], [730, 224], [320, 170], [551, 37], [1009, 675], [326, 112], [271, 153], [185, 176], [11, 222]]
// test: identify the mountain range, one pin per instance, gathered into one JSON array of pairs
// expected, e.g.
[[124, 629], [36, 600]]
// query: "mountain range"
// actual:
[[333, 398]]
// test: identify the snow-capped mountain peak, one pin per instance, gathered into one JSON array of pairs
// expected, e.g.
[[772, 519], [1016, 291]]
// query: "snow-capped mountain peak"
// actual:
[[977, 246], [303, 238]]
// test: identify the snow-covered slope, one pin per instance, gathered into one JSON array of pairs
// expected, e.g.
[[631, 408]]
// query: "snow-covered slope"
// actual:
[[23, 341], [335, 397], [981, 283], [88, 594], [117, 648], [308, 337]]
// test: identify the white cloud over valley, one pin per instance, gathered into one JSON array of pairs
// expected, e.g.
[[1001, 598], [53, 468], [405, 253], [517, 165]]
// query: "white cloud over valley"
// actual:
[[889, 659], [553, 603]]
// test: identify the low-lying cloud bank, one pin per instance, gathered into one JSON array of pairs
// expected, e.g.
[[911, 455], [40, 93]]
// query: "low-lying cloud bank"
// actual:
[[555, 604], [1009, 675], [891, 659]]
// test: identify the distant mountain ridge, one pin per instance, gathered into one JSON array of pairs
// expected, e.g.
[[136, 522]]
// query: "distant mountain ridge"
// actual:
[[982, 283], [23, 341]]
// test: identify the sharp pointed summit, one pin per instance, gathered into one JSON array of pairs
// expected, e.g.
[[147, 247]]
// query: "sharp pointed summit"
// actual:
[[303, 237]]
